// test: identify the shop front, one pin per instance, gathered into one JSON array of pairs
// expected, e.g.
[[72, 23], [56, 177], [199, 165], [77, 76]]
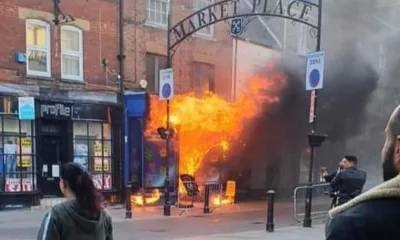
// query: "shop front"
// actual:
[[60, 132], [18, 179], [81, 132], [145, 153]]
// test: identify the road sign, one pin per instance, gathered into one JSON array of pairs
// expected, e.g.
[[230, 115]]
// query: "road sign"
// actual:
[[315, 70], [237, 26], [312, 107], [166, 90]]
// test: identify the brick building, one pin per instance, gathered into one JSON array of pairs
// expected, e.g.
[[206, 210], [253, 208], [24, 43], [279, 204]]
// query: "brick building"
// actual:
[[204, 59], [66, 73]]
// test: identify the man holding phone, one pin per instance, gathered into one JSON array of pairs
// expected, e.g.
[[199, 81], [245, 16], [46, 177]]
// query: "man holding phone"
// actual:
[[374, 214]]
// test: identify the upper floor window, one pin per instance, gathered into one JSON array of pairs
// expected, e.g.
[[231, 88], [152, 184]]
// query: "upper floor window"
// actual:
[[71, 53], [206, 31], [154, 63], [157, 12], [38, 48]]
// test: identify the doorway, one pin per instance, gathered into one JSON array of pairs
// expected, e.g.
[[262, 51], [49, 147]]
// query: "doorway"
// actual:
[[51, 162], [52, 146]]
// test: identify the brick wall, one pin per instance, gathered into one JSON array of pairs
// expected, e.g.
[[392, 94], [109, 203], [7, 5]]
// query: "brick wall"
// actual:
[[141, 38], [97, 18]]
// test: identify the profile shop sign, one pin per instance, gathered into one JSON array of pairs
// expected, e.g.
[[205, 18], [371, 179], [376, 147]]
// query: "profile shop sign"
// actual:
[[56, 110]]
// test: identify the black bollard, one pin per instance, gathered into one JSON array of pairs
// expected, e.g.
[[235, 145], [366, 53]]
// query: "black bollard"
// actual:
[[128, 206], [270, 211], [206, 208]]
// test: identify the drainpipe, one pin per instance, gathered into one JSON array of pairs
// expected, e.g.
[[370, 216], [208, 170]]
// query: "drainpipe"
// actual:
[[121, 100]]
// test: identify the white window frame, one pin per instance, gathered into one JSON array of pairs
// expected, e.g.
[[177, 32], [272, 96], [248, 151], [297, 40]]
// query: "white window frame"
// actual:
[[46, 49], [202, 32], [72, 53], [153, 22]]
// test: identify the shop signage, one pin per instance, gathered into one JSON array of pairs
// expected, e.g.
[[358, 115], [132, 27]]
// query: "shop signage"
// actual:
[[26, 151], [14, 184], [62, 111], [101, 154], [101, 183], [26, 108]]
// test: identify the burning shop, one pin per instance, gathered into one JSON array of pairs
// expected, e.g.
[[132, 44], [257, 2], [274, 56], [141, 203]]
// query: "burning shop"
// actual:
[[207, 134]]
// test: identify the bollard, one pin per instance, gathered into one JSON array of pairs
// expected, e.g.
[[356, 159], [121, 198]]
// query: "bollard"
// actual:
[[206, 208], [128, 204], [270, 211]]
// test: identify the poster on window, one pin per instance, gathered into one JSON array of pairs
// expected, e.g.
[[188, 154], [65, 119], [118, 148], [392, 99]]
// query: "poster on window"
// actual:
[[26, 151], [155, 162], [81, 153], [99, 183], [14, 185], [100, 151]]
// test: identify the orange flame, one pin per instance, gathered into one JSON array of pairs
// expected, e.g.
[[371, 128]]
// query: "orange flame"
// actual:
[[208, 121], [142, 200], [220, 201]]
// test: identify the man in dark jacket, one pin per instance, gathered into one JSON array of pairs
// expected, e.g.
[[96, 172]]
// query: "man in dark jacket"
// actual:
[[329, 177], [348, 183], [374, 214]]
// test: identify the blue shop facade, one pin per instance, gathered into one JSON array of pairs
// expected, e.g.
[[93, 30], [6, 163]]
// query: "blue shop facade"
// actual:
[[143, 152]]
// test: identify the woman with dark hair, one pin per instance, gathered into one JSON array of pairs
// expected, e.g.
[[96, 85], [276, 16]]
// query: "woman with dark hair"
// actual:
[[82, 216]]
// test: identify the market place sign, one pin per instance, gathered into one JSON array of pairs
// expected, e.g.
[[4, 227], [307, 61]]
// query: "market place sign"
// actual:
[[296, 10]]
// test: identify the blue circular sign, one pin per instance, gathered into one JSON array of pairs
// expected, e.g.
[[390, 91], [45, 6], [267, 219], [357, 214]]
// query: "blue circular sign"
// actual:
[[166, 90], [314, 78]]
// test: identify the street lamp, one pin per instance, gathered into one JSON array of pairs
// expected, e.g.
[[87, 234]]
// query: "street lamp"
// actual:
[[314, 140]]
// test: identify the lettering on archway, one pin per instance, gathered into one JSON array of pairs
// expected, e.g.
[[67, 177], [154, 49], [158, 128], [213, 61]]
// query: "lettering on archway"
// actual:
[[296, 10]]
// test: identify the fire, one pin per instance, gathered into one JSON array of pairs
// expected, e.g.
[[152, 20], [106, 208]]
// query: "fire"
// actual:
[[209, 121], [220, 201], [143, 199]]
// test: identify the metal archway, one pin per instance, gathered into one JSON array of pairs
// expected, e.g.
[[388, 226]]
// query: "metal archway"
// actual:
[[220, 11]]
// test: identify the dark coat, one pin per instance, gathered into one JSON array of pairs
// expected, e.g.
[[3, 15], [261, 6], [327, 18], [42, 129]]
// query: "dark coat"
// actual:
[[348, 184], [372, 215], [330, 177], [67, 221]]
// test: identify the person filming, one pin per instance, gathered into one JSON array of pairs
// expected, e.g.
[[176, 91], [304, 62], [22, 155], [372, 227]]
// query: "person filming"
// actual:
[[348, 182], [83, 216]]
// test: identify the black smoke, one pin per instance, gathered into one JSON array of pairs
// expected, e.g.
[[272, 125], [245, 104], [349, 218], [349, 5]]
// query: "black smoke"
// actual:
[[278, 135]]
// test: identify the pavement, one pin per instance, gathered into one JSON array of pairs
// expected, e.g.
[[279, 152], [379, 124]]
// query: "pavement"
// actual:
[[287, 233], [240, 221]]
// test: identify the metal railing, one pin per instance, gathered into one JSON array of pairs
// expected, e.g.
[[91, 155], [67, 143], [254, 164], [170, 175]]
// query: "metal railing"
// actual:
[[321, 201], [206, 196]]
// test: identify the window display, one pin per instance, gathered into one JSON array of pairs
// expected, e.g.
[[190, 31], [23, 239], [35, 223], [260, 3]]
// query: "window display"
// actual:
[[17, 158], [92, 148]]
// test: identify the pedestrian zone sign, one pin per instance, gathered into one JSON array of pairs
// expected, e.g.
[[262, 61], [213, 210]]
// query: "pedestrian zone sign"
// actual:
[[166, 90], [315, 70]]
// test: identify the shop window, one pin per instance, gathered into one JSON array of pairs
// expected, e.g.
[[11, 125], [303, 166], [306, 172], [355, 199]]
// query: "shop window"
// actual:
[[92, 148], [38, 48], [17, 155]]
